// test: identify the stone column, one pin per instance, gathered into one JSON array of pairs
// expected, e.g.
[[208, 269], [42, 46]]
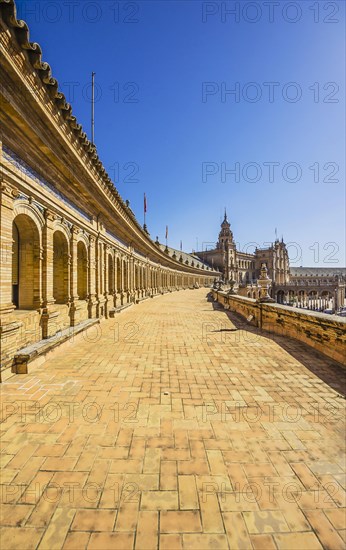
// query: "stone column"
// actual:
[[9, 327], [146, 280], [49, 320], [121, 282], [75, 318], [99, 278], [114, 281], [7, 197], [106, 278], [74, 264], [132, 279], [160, 283], [92, 273], [48, 252], [126, 279]]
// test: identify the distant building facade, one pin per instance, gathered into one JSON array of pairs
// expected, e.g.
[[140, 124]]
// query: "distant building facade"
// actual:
[[244, 268], [315, 288]]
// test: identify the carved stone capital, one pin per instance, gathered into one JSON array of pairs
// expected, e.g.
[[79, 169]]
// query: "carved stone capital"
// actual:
[[49, 215], [9, 190]]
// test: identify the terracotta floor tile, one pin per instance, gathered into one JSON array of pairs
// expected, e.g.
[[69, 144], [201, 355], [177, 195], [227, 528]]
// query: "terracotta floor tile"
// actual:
[[180, 522], [109, 541], [192, 436], [93, 520]]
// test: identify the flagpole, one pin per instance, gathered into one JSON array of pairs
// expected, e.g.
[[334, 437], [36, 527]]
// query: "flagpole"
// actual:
[[145, 213], [145, 208], [93, 108]]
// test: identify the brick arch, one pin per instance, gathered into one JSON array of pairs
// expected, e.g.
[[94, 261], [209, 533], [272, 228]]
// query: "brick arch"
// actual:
[[58, 226], [82, 237], [26, 259], [22, 206]]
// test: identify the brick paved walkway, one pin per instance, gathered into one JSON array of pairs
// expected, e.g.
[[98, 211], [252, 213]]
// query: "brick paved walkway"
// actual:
[[169, 429]]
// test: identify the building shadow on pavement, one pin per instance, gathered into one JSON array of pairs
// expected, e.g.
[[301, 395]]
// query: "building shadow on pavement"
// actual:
[[325, 368]]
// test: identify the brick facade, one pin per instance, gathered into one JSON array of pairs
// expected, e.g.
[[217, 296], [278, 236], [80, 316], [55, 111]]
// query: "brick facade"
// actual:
[[71, 249]]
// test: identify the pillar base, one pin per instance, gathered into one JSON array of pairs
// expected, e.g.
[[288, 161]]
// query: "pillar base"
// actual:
[[76, 312], [48, 323], [92, 307], [9, 342], [101, 308]]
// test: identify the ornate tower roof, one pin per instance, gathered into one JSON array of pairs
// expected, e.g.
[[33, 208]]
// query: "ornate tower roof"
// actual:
[[225, 222], [225, 235]]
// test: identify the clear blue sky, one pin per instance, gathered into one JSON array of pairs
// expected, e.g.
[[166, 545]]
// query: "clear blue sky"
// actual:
[[156, 117]]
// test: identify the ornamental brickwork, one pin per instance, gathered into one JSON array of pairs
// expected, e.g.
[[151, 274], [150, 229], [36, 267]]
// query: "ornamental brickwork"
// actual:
[[71, 249]]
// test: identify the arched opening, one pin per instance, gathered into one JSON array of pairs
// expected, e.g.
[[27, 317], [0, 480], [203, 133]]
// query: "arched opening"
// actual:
[[125, 271], [118, 275], [101, 289], [82, 271], [136, 277], [15, 265], [110, 274], [60, 268], [280, 297], [25, 263]]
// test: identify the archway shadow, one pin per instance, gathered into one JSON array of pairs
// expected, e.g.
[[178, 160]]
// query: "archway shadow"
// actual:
[[325, 368]]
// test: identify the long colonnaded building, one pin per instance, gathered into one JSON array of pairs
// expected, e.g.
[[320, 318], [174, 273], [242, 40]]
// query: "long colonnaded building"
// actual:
[[71, 250]]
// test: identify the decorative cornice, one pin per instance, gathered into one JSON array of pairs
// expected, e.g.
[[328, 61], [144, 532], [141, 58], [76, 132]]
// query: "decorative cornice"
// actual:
[[20, 29], [33, 53]]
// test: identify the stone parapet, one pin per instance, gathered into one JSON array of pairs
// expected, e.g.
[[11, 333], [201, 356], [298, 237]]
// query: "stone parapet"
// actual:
[[325, 333]]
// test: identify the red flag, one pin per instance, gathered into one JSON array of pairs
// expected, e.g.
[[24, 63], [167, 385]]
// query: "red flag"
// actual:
[[145, 203], [166, 231]]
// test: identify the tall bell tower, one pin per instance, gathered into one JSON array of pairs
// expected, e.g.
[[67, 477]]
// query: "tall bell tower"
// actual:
[[227, 246]]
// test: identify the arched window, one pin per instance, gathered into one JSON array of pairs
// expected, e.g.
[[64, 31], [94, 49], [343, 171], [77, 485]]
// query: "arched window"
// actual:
[[15, 265], [136, 277], [82, 271], [110, 274], [118, 275], [280, 297], [125, 271]]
